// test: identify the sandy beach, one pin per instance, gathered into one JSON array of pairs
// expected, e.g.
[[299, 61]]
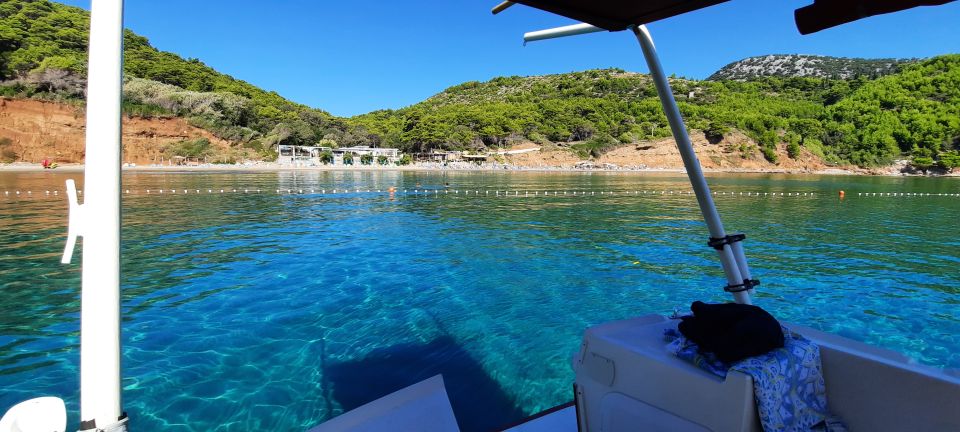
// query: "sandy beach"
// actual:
[[272, 167]]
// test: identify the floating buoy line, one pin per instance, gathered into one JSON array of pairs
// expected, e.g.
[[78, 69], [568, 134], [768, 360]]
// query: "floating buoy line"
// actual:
[[507, 193]]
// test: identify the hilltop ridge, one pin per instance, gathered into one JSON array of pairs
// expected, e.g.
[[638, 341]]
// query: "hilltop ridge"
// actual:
[[802, 65]]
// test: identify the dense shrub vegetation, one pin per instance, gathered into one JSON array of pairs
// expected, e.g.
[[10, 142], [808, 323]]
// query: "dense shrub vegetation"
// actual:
[[865, 120], [861, 121]]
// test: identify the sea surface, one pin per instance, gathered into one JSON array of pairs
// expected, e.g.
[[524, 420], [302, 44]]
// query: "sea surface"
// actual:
[[247, 310]]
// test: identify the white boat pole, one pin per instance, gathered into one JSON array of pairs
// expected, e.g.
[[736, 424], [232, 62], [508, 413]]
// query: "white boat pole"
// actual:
[[100, 404], [727, 257], [570, 30]]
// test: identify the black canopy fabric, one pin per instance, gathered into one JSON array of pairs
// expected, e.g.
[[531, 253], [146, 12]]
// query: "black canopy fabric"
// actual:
[[823, 14], [617, 15]]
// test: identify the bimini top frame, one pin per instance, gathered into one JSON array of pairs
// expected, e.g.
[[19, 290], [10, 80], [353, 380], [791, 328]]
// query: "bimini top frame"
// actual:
[[739, 280], [615, 15]]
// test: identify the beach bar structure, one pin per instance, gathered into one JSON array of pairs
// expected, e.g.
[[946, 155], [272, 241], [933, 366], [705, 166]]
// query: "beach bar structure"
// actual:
[[392, 154], [299, 155], [439, 156], [310, 155]]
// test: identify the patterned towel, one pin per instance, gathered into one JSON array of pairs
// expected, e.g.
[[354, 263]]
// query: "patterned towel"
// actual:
[[787, 382]]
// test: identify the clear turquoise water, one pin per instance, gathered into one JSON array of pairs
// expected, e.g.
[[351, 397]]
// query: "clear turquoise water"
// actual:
[[275, 312]]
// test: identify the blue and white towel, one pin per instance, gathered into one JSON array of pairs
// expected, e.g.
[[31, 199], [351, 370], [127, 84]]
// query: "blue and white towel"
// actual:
[[787, 382]]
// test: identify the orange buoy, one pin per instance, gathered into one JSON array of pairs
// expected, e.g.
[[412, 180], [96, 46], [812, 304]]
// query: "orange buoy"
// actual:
[[842, 194]]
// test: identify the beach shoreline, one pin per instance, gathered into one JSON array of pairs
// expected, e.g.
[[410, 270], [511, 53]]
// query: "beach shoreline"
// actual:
[[274, 167]]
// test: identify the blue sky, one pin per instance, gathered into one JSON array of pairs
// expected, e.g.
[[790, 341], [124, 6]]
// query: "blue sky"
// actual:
[[352, 57]]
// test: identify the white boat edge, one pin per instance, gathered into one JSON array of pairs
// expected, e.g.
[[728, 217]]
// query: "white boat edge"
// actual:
[[422, 407]]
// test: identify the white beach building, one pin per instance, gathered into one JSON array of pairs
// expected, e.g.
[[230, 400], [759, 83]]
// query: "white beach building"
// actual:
[[299, 155], [392, 154], [310, 155]]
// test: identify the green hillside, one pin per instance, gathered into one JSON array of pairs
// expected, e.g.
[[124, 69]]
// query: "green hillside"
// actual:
[[43, 54], [916, 112], [869, 122]]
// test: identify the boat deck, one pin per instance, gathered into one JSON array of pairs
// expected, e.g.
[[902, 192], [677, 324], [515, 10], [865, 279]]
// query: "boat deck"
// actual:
[[562, 420]]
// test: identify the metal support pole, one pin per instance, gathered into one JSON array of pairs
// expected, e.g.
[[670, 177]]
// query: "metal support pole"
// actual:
[[691, 163], [100, 404], [570, 30]]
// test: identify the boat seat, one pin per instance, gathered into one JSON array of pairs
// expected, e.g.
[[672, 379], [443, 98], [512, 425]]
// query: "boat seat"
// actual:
[[626, 380], [874, 389]]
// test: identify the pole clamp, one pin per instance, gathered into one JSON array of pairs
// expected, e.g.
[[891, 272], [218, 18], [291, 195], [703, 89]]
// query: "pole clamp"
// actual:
[[747, 285], [119, 426], [719, 243]]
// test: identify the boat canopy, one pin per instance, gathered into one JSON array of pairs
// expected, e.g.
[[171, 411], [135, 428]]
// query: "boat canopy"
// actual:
[[616, 15]]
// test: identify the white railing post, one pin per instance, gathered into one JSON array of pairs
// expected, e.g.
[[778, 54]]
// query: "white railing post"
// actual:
[[100, 403], [728, 258]]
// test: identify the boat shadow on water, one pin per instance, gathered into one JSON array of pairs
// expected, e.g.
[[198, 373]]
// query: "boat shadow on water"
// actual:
[[478, 401]]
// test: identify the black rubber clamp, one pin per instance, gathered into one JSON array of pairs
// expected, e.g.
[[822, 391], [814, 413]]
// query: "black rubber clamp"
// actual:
[[719, 243], [747, 285]]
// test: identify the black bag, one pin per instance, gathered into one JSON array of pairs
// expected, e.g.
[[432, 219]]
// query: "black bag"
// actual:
[[732, 331]]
